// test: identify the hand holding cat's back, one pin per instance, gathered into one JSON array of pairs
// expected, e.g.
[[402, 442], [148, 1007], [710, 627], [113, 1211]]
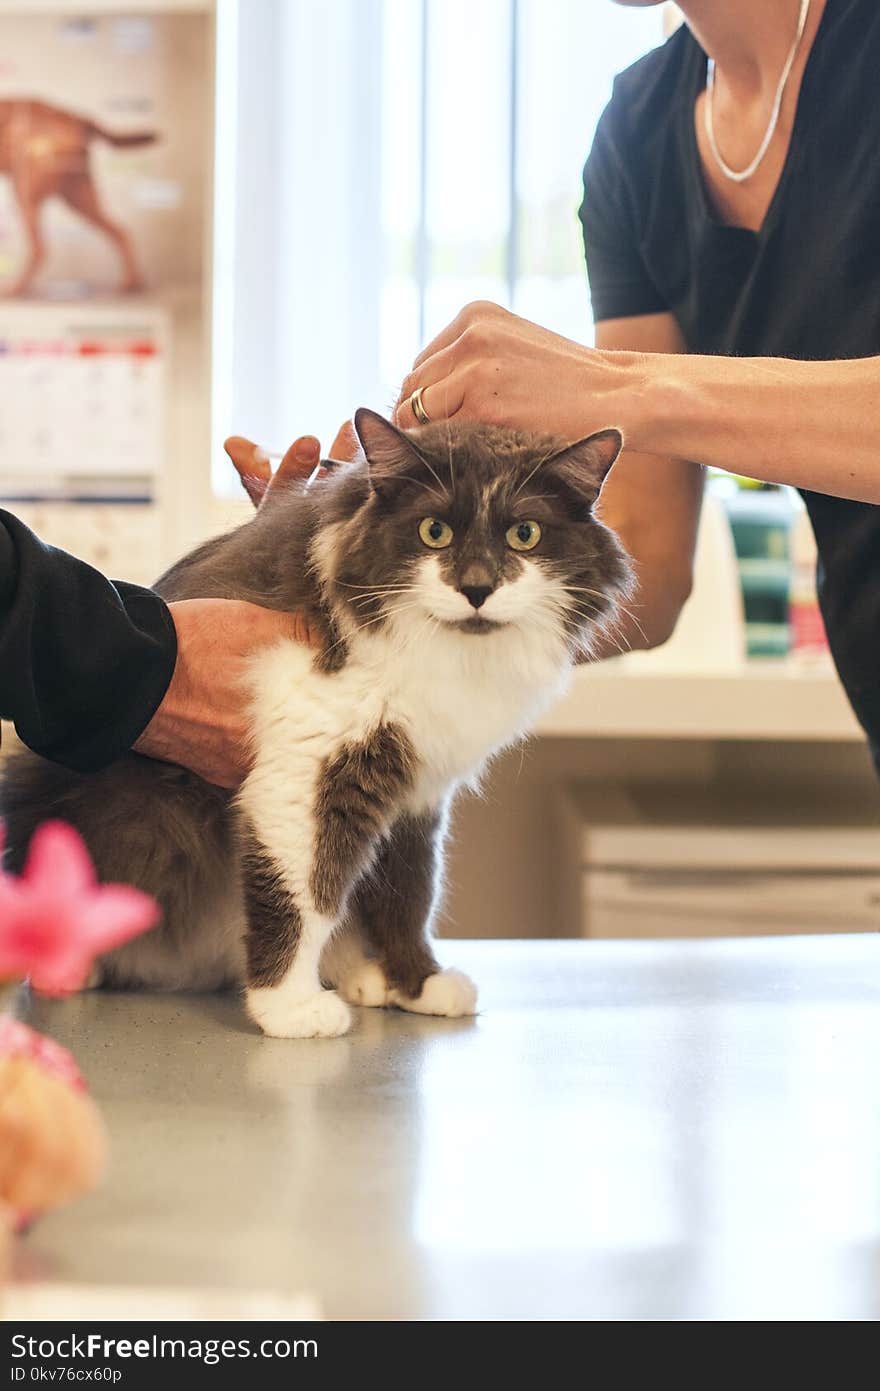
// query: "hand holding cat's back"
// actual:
[[202, 723]]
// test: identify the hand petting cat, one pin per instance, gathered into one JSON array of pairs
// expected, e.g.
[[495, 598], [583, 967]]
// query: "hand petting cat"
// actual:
[[255, 471], [491, 366]]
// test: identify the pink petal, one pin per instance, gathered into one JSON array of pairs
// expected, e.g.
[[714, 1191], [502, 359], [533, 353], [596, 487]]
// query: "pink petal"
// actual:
[[30, 915], [11, 895], [14, 965], [55, 918], [27, 954], [30, 933], [61, 977], [16, 959], [112, 914], [58, 861]]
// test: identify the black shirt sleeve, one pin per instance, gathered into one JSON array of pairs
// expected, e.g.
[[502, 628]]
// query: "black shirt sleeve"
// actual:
[[620, 285], [84, 661]]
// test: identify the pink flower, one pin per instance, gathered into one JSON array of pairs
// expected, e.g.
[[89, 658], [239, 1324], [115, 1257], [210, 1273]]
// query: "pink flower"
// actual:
[[56, 917]]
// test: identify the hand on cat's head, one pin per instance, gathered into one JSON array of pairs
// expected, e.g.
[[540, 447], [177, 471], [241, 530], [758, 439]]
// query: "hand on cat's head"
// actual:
[[255, 470]]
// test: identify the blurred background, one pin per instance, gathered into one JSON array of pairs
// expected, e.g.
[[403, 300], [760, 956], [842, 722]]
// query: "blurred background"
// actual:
[[314, 191]]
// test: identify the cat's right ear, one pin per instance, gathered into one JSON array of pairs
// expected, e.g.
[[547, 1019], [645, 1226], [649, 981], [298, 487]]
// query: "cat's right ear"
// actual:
[[581, 468], [390, 454]]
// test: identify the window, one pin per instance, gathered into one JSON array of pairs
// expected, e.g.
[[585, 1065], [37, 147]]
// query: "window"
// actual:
[[382, 162]]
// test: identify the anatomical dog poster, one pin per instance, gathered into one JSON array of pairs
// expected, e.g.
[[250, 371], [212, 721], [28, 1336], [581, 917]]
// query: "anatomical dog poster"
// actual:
[[105, 140]]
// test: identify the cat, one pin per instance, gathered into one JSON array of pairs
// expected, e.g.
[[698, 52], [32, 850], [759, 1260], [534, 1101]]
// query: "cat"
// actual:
[[45, 152], [455, 573]]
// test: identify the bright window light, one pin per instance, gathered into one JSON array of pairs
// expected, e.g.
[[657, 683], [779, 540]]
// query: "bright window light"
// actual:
[[382, 163]]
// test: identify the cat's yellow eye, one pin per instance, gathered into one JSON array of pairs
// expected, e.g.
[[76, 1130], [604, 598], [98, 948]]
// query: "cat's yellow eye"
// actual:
[[434, 533], [524, 536]]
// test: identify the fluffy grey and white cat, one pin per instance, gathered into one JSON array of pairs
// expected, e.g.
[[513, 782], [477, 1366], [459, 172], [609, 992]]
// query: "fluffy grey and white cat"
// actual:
[[456, 572]]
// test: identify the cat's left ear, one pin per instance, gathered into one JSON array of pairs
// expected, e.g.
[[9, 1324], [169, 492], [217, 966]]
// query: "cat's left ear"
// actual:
[[390, 453], [584, 466]]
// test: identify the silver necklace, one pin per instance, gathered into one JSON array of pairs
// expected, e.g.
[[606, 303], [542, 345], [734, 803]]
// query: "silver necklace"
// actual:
[[739, 176]]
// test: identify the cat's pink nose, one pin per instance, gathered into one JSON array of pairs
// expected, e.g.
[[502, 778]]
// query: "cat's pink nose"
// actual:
[[476, 594]]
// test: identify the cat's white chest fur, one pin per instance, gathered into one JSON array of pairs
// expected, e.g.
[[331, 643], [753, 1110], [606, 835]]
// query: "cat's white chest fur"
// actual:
[[461, 697], [457, 697]]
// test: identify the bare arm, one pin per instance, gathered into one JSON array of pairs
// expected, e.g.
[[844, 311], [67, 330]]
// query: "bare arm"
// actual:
[[653, 503], [814, 425]]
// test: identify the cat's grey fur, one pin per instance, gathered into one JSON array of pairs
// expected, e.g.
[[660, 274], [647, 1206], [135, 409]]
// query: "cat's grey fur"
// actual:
[[228, 911]]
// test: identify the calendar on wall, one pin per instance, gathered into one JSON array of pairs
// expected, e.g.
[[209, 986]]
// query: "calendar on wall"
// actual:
[[83, 429], [83, 405]]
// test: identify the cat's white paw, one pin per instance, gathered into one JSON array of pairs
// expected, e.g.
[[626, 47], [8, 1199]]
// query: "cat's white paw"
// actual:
[[322, 1015], [365, 985], [447, 992]]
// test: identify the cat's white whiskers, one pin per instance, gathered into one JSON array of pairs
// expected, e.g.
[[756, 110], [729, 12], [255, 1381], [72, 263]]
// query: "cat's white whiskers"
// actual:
[[449, 448], [420, 482], [624, 611], [616, 643], [377, 594], [433, 472], [539, 464], [584, 589], [610, 631], [386, 587], [368, 623], [621, 610], [571, 604], [359, 628], [385, 614]]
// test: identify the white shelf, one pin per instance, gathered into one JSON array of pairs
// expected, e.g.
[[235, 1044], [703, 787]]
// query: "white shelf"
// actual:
[[772, 700]]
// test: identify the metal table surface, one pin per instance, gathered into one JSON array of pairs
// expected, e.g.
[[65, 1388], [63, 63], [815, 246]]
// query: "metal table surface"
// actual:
[[628, 1130]]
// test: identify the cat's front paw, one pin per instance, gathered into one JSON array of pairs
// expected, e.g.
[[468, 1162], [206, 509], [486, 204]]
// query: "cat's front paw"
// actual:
[[365, 984], [322, 1015], [450, 993]]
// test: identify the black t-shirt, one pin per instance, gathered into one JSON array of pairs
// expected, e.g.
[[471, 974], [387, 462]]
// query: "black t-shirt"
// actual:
[[806, 286], [84, 662]]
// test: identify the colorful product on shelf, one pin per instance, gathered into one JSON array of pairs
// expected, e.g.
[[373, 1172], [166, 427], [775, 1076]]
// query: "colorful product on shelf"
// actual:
[[761, 520], [808, 640]]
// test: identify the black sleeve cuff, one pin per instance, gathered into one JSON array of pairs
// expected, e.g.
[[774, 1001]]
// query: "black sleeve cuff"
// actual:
[[143, 680], [84, 662]]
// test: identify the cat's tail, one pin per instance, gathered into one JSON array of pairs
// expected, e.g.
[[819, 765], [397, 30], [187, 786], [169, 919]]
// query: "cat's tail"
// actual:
[[125, 140]]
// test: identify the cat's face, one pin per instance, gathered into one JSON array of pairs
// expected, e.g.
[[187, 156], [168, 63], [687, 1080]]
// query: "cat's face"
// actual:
[[476, 530]]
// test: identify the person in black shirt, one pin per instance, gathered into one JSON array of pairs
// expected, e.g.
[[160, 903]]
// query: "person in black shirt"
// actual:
[[90, 668], [737, 318]]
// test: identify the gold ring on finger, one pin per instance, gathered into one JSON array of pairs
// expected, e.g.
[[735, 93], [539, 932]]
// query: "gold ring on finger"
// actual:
[[418, 408]]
